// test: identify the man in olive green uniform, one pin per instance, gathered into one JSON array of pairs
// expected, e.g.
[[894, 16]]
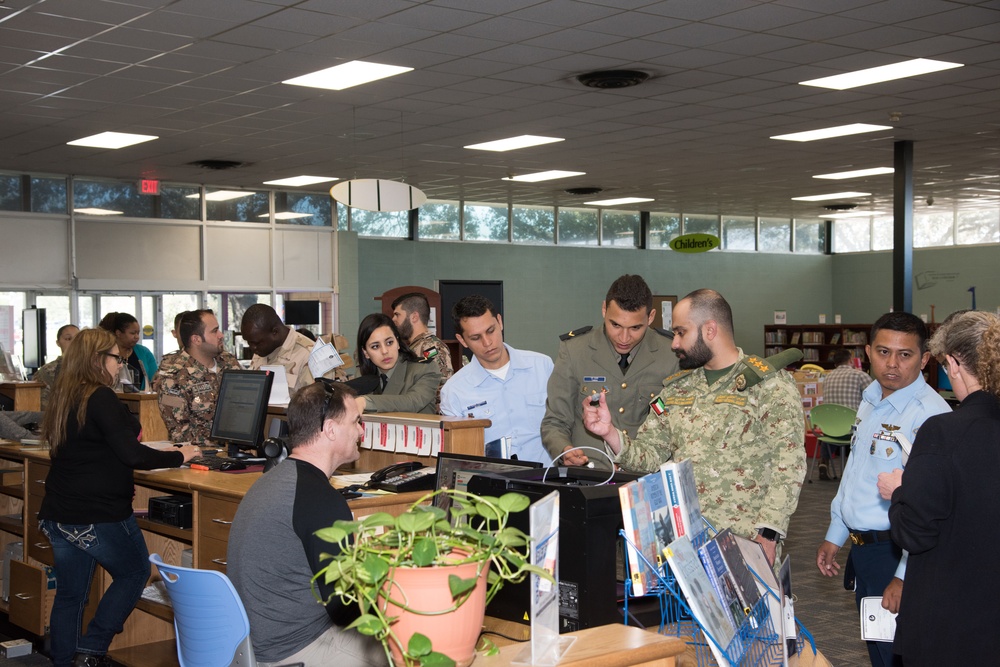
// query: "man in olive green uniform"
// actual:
[[735, 416], [624, 357], [411, 313], [188, 382]]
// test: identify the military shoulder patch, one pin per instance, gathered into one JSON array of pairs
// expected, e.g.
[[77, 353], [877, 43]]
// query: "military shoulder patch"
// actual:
[[575, 332], [676, 376]]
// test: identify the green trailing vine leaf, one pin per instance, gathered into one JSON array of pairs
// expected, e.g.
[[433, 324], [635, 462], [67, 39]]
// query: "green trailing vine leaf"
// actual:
[[435, 659], [424, 551], [368, 624], [457, 585], [418, 646]]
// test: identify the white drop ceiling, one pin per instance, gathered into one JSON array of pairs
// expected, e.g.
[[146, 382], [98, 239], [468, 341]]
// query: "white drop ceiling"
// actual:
[[204, 76]]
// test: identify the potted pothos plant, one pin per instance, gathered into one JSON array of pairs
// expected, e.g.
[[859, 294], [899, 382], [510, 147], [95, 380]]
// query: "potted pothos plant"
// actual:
[[422, 579]]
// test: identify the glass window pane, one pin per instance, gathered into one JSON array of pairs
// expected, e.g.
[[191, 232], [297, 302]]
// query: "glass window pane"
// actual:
[[235, 205], [620, 229], [343, 219], [533, 224], [56, 316], [485, 222], [739, 233], [180, 202], [852, 235], [978, 226], [775, 235], [172, 305], [701, 224], [48, 195], [933, 229], [11, 322], [663, 228], [229, 308], [578, 226], [115, 303], [882, 233], [85, 306], [810, 236], [303, 208], [115, 197], [10, 192], [439, 220], [388, 224]]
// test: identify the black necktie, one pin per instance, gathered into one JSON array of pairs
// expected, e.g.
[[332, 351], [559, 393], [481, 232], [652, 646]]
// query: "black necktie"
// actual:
[[383, 381], [623, 362]]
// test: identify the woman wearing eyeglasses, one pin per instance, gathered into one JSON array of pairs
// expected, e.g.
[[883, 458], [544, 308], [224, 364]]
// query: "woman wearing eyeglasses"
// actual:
[[87, 509], [139, 361], [405, 383]]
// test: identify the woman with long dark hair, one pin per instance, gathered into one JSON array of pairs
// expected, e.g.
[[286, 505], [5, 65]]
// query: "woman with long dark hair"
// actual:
[[139, 361], [406, 382], [87, 509]]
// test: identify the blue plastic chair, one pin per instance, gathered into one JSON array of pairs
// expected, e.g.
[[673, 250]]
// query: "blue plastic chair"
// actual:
[[209, 619]]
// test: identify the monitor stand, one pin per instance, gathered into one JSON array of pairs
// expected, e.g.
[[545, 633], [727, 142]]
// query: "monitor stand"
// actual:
[[234, 452]]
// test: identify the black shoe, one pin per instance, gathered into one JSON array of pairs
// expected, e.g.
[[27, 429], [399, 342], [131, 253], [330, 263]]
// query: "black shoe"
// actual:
[[822, 471], [92, 660]]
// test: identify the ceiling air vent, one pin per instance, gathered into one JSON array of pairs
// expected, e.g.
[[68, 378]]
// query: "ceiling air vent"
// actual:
[[615, 78], [583, 191], [217, 165], [840, 207]]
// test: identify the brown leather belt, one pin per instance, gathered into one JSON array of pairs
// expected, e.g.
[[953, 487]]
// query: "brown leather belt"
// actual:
[[870, 537]]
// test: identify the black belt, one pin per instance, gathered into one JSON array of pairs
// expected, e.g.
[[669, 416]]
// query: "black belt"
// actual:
[[870, 537]]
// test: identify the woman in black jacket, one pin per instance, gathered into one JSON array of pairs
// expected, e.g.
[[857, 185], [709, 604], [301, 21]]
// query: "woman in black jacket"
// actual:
[[87, 509]]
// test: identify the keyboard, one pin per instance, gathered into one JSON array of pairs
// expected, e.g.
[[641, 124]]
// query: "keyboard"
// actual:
[[215, 463]]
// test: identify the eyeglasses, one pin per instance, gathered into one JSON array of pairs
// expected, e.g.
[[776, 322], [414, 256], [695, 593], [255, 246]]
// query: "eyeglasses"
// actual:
[[119, 358]]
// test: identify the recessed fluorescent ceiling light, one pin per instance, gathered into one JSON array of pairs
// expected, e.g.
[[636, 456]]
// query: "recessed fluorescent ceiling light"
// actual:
[[299, 181], [96, 211], [513, 143], [347, 75], [833, 195], [857, 173], [222, 195], [544, 176], [286, 215], [872, 75], [615, 202], [852, 214], [112, 140], [830, 132]]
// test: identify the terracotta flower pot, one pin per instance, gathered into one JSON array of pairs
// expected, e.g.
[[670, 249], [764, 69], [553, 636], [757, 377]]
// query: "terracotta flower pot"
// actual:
[[426, 589]]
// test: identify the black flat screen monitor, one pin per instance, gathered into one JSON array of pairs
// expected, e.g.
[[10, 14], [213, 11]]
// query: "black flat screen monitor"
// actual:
[[301, 312], [240, 411], [33, 320], [455, 470]]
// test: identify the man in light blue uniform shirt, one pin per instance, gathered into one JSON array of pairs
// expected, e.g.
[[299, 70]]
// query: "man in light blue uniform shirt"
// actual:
[[891, 412], [501, 383]]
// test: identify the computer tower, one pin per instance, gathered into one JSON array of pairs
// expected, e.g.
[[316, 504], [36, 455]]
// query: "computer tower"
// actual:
[[590, 561]]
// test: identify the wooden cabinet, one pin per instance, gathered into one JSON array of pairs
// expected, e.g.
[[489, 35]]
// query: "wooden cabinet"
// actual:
[[30, 597], [817, 341], [37, 546], [215, 517]]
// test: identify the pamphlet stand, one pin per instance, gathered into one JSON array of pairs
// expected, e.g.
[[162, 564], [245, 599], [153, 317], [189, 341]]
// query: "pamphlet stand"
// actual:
[[757, 642]]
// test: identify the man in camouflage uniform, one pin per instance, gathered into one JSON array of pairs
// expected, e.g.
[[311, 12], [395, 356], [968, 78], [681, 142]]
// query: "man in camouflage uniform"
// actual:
[[410, 314], [624, 356], [188, 383], [275, 344], [736, 416]]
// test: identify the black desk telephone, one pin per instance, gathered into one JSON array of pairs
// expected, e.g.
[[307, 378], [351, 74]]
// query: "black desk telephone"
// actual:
[[403, 477]]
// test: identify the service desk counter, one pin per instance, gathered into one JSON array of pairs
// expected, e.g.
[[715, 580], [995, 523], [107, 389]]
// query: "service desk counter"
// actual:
[[25, 395], [146, 408]]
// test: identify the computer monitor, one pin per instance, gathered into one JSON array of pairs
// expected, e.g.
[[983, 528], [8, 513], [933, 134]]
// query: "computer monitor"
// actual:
[[240, 411], [33, 324], [455, 470], [302, 312]]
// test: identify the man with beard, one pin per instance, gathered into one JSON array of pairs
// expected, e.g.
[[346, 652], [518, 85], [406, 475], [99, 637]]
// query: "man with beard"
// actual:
[[735, 416], [188, 382], [411, 314]]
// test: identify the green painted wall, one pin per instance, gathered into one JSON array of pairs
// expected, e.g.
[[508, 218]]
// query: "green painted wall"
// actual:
[[941, 276], [550, 290]]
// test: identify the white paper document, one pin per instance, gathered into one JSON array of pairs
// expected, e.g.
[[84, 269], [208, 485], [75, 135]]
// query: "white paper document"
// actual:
[[279, 386], [877, 624], [323, 359]]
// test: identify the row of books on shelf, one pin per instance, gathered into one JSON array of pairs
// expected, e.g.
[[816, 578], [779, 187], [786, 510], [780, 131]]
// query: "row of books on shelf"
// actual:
[[778, 337], [663, 525], [813, 354]]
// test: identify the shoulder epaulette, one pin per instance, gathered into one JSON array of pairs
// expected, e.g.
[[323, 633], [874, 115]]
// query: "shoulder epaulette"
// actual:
[[676, 376], [757, 369], [575, 332], [666, 333]]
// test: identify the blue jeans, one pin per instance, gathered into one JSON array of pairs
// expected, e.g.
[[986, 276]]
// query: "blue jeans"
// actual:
[[121, 550]]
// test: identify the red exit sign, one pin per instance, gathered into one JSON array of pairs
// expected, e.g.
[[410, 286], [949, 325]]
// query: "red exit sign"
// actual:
[[148, 187]]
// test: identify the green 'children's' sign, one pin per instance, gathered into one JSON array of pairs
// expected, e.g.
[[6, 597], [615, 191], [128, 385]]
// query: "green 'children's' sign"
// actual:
[[692, 243]]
